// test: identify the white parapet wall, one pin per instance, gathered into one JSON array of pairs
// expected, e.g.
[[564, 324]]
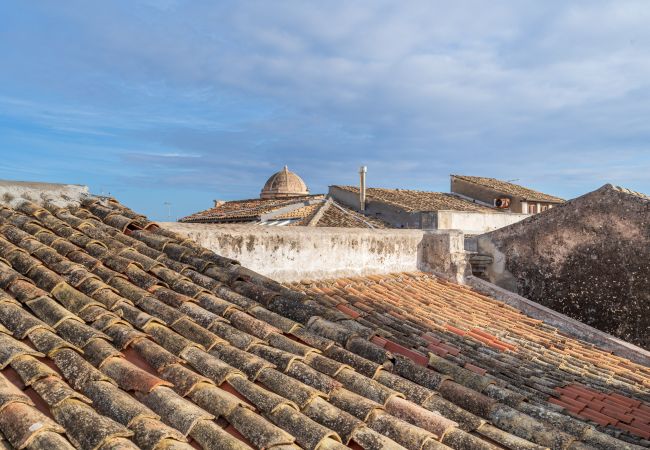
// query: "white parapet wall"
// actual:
[[62, 195], [475, 222], [299, 253]]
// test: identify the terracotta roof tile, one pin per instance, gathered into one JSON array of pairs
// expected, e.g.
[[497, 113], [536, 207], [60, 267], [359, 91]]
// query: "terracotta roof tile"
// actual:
[[605, 408]]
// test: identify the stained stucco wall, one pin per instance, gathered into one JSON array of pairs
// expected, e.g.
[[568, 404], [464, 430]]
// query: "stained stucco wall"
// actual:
[[298, 253], [588, 259], [11, 193]]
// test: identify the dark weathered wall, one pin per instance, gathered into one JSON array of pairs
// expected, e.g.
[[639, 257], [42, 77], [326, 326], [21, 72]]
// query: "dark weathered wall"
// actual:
[[588, 259]]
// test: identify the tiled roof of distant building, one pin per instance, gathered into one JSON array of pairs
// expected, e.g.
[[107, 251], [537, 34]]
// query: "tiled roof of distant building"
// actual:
[[410, 200], [303, 213], [246, 210], [116, 333], [515, 190], [336, 215], [313, 210]]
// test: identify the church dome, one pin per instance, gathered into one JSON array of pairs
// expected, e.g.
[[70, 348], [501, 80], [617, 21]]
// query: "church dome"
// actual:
[[284, 184]]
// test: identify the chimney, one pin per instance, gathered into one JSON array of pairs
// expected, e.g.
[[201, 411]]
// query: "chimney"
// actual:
[[218, 203], [362, 188]]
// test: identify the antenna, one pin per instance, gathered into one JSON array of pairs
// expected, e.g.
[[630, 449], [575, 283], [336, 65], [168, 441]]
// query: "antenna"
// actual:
[[362, 188], [169, 210]]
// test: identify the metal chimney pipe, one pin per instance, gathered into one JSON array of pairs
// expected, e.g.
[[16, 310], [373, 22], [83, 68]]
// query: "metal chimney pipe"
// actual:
[[362, 188]]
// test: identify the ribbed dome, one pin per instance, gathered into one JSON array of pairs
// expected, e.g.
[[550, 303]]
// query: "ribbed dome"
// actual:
[[284, 184]]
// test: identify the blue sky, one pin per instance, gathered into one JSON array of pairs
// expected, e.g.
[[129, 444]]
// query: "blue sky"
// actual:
[[189, 101]]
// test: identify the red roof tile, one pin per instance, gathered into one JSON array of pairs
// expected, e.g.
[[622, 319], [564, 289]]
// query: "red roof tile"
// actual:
[[475, 369], [416, 357], [349, 311], [604, 408]]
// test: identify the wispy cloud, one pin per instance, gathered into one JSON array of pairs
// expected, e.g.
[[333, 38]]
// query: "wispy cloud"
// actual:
[[165, 155], [209, 98]]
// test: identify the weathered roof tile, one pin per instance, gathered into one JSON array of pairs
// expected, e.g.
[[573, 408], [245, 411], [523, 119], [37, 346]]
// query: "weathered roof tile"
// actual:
[[175, 410], [21, 424], [308, 433], [84, 426], [11, 349], [53, 391], [130, 377], [151, 434], [259, 431], [212, 437]]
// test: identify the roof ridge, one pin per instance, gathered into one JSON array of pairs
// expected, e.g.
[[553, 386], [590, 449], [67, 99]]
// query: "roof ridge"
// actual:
[[353, 214], [319, 212]]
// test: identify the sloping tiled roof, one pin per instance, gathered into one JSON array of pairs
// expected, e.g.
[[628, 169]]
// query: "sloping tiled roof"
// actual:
[[301, 213], [487, 345], [333, 214], [115, 333], [410, 200], [245, 210], [512, 189]]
